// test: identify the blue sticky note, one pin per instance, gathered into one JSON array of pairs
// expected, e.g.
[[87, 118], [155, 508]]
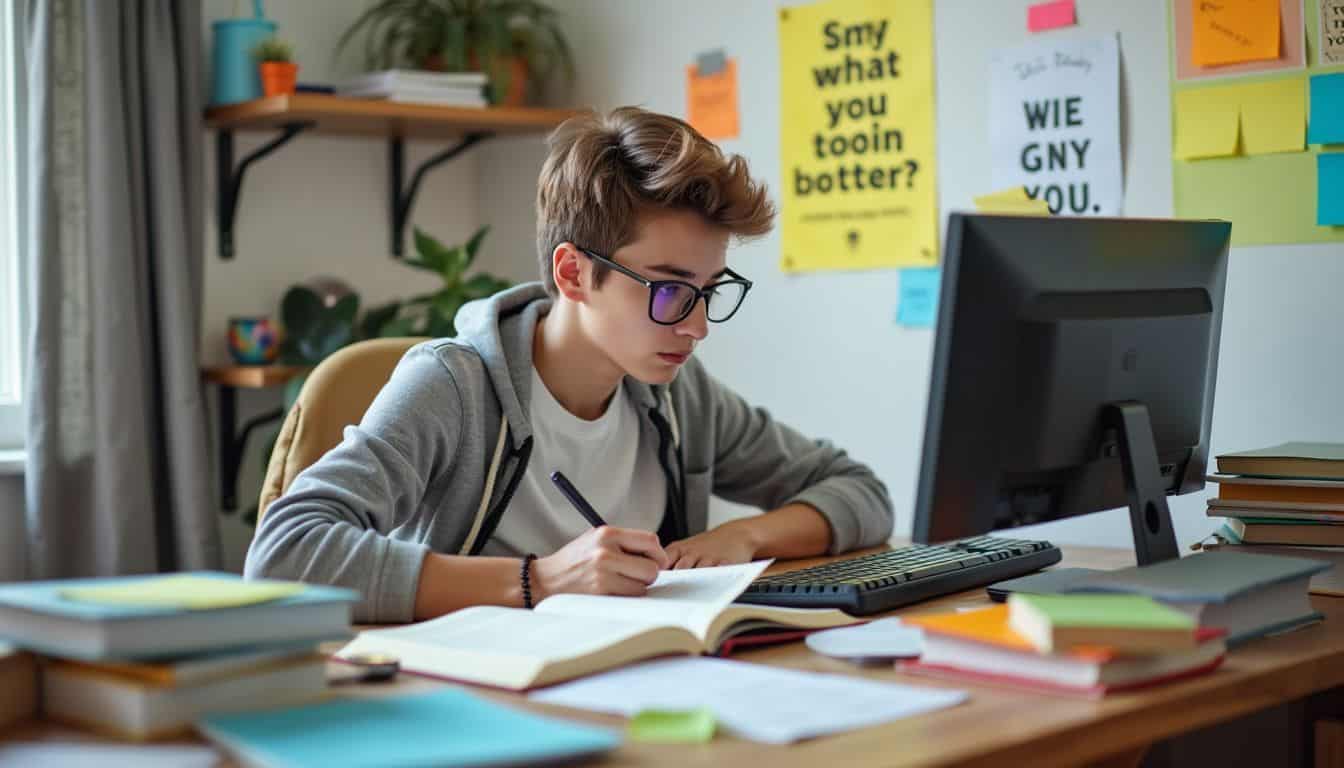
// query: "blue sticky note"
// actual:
[[1325, 125], [918, 306], [448, 727], [1330, 189]]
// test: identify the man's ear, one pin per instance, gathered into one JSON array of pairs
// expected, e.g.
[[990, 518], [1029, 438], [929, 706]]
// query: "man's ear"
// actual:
[[569, 268]]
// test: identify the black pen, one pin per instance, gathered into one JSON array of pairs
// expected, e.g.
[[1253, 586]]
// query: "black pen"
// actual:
[[577, 500]]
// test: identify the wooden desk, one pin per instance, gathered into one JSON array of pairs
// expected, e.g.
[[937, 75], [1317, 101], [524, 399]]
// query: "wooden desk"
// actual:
[[997, 726]]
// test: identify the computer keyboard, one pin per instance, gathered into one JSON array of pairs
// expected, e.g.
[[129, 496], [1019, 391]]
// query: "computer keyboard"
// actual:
[[885, 580]]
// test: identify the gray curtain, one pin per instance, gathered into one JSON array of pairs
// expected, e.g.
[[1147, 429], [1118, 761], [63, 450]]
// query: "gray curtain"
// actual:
[[118, 477]]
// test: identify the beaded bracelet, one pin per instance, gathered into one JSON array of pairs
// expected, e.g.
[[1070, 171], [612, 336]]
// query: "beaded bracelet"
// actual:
[[527, 580]]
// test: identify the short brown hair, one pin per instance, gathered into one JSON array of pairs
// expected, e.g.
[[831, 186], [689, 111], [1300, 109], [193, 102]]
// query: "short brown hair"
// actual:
[[601, 171]]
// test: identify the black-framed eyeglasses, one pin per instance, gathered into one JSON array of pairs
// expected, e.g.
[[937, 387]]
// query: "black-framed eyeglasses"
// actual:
[[671, 301]]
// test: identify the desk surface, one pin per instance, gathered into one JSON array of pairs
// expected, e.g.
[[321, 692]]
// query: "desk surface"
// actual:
[[998, 726]]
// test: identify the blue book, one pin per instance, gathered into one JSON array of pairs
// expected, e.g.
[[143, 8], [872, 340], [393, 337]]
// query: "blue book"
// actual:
[[45, 616], [447, 727]]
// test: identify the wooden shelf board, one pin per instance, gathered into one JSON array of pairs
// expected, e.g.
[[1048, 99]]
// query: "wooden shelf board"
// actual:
[[252, 376], [368, 117]]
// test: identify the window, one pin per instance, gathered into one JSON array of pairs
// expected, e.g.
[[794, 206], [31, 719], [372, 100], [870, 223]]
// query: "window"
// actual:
[[11, 341]]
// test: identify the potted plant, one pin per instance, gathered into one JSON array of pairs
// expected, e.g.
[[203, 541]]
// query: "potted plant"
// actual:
[[279, 73], [518, 43]]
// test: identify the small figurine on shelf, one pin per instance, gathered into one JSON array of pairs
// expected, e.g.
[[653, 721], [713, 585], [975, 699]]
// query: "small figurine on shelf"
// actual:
[[275, 61], [253, 340]]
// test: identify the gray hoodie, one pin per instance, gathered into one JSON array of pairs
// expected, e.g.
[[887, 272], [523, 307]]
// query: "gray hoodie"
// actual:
[[435, 460]]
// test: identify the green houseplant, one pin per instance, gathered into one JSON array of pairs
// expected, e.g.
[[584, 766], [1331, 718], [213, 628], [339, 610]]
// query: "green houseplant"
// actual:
[[275, 63], [517, 42]]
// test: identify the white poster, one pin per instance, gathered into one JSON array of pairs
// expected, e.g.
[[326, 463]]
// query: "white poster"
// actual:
[[1054, 124], [1332, 33]]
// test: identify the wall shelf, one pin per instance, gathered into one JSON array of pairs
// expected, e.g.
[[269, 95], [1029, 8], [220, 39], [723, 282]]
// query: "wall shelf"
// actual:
[[232, 442], [292, 114]]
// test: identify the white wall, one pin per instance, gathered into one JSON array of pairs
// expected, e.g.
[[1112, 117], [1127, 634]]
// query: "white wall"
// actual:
[[822, 351]]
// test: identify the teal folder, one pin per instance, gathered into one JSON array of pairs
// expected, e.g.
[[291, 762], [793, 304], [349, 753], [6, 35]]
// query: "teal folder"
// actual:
[[447, 727]]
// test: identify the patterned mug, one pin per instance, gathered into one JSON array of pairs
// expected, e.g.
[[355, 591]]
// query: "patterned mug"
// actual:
[[253, 340]]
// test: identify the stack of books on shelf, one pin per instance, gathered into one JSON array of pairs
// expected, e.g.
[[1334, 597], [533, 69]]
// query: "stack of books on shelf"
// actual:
[[145, 657], [457, 89], [1088, 645], [1287, 500]]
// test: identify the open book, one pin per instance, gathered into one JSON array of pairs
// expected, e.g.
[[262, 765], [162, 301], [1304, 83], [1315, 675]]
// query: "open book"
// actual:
[[566, 636]]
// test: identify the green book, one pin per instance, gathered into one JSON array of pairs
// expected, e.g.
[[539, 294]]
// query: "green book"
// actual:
[[1126, 624]]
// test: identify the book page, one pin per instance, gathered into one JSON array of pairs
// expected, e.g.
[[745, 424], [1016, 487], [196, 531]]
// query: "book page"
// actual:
[[500, 631], [689, 598]]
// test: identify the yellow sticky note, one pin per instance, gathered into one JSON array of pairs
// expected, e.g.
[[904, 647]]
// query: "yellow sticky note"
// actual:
[[1011, 201], [1206, 123], [711, 101], [1233, 31], [185, 591], [1273, 116]]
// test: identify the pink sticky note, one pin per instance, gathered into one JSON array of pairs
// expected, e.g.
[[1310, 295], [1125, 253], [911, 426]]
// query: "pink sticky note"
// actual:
[[1053, 15]]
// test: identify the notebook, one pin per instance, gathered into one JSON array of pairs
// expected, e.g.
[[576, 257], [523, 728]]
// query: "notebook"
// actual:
[[565, 636], [1302, 460], [1329, 582], [39, 616], [1272, 530], [447, 727], [127, 707], [1248, 595], [1125, 623], [981, 646]]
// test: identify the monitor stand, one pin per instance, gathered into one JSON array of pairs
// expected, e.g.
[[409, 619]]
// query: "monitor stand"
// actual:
[[1149, 516]]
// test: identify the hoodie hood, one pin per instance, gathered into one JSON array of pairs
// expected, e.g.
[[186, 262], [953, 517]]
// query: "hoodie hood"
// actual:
[[500, 328]]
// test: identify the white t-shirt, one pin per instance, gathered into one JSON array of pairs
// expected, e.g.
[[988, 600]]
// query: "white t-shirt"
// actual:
[[616, 471]]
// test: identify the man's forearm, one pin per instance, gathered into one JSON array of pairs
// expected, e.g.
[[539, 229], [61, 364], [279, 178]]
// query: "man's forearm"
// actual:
[[795, 530], [450, 582]]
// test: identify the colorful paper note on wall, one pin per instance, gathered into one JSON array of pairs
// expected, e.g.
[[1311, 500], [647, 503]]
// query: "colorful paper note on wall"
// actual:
[[1043, 16], [1054, 123], [1012, 201], [1273, 116], [918, 306], [859, 183], [1326, 124], [1234, 31], [711, 100], [1207, 123], [1331, 47], [1330, 189]]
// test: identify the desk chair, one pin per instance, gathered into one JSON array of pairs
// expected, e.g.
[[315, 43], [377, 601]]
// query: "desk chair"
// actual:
[[337, 393]]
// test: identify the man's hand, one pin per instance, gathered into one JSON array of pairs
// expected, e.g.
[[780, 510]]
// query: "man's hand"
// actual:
[[726, 545], [603, 561]]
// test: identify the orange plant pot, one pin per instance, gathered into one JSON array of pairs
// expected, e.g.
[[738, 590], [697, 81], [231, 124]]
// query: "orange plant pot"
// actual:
[[278, 77]]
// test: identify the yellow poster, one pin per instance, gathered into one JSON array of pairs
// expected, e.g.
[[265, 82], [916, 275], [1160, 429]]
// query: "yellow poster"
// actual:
[[856, 135]]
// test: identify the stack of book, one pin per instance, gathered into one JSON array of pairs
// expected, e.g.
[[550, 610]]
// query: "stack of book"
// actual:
[[146, 657], [1080, 644], [458, 89], [1288, 499]]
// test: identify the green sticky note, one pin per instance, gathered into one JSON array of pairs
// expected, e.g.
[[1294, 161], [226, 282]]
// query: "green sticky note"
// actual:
[[690, 726], [1207, 123], [1273, 116], [1125, 611], [186, 592]]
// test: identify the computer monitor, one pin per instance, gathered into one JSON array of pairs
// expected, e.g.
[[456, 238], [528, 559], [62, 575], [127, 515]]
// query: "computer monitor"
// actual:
[[1073, 372]]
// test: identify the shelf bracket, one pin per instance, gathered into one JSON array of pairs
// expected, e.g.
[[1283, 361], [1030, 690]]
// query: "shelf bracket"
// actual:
[[233, 444], [229, 182], [403, 201]]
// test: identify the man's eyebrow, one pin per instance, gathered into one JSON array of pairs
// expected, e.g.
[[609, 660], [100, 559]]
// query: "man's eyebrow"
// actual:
[[668, 269]]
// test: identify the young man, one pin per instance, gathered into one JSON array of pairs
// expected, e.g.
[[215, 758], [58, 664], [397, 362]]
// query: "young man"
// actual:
[[442, 497]]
